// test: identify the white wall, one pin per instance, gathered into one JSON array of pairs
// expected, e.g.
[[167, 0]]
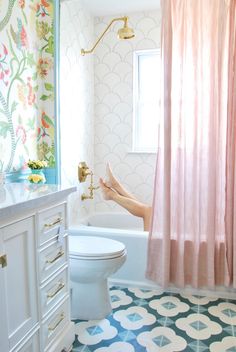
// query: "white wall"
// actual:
[[97, 104], [114, 105], [76, 100]]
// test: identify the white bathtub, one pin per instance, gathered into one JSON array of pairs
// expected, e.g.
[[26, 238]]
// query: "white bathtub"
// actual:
[[127, 229]]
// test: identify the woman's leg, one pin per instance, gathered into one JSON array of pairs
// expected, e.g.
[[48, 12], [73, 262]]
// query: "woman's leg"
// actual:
[[132, 205], [113, 183]]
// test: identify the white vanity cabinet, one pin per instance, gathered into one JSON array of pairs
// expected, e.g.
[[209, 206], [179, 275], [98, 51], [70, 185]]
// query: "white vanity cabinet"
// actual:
[[34, 276], [18, 279]]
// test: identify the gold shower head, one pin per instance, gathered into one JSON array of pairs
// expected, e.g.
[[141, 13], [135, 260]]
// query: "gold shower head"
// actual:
[[123, 33], [126, 32]]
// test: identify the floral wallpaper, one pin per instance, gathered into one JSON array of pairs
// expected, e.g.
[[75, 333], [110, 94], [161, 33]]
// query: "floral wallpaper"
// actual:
[[26, 83]]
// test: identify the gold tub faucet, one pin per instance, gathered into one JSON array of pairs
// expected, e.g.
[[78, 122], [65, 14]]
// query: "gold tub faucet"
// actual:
[[83, 172]]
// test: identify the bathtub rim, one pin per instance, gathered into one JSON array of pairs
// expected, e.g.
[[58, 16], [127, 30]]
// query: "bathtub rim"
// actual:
[[72, 230], [134, 222]]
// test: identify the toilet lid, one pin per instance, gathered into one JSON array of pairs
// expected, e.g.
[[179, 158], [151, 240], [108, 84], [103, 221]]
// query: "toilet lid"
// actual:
[[95, 247]]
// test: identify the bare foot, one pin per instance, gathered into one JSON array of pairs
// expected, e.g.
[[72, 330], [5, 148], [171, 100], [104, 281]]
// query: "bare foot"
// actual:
[[107, 192], [114, 184], [111, 180]]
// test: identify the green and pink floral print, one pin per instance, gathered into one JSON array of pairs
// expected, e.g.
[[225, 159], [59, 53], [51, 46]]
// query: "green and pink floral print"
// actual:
[[26, 83]]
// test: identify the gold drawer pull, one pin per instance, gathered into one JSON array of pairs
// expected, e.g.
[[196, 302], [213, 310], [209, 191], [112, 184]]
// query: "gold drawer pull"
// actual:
[[59, 255], [3, 260], [58, 289], [52, 328], [57, 221]]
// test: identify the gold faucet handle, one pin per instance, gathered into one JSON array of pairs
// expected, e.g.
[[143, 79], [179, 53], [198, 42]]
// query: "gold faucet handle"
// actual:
[[90, 196], [83, 171], [93, 187]]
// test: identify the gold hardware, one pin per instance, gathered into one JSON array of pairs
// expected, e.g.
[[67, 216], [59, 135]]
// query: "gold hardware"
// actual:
[[52, 328], [91, 189], [59, 255], [3, 261], [123, 33], [83, 171], [58, 289], [57, 221]]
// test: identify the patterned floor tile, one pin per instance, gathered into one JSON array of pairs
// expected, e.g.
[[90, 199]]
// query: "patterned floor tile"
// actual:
[[117, 347], [198, 326], [161, 339], [140, 302], [134, 318], [127, 335], [169, 306], [230, 330], [199, 299], [119, 298], [155, 321], [165, 321], [140, 293], [228, 344], [226, 312], [94, 331], [198, 346], [198, 309]]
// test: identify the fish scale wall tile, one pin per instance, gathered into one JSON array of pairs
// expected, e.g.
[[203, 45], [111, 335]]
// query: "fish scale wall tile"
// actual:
[[97, 95], [114, 108], [77, 100]]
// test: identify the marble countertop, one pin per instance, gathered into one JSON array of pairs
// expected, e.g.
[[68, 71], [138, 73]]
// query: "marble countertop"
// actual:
[[15, 197]]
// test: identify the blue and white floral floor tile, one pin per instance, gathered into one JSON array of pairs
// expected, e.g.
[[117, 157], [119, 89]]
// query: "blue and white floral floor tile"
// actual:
[[156, 321]]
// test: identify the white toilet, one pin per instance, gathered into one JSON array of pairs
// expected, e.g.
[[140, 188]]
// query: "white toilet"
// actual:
[[92, 261]]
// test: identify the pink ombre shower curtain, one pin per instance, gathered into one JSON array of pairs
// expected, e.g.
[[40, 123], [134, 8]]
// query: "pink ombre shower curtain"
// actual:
[[193, 232]]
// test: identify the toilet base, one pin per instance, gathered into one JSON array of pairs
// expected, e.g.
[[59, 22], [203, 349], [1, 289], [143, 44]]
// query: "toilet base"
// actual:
[[90, 301]]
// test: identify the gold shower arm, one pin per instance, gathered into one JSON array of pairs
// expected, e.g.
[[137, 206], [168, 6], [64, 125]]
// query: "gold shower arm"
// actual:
[[125, 19]]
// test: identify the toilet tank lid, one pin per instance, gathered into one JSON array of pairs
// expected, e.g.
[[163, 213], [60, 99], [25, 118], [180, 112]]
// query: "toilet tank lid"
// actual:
[[91, 246]]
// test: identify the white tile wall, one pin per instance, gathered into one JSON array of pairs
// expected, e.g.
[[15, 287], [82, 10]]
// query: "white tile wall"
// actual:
[[76, 100], [96, 103], [113, 110]]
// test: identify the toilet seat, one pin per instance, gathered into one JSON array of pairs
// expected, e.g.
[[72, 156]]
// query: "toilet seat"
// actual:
[[92, 248]]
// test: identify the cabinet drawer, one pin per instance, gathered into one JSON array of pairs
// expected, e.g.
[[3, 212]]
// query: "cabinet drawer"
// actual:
[[54, 291], [52, 258], [51, 222], [56, 323]]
